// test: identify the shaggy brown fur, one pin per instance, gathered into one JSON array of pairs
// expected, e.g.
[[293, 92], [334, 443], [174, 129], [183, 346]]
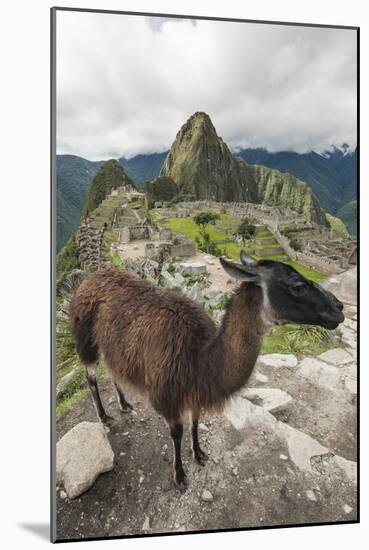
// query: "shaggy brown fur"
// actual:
[[166, 345]]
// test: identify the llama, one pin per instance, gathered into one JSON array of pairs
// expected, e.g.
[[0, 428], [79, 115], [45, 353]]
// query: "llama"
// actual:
[[167, 347]]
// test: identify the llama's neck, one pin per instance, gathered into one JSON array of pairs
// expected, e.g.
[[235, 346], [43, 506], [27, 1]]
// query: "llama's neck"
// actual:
[[232, 355]]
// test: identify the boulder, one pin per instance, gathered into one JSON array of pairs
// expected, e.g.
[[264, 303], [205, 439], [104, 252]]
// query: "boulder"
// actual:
[[271, 399], [82, 454], [195, 293], [63, 383], [241, 413], [165, 234], [179, 280], [343, 286], [213, 296], [192, 268]]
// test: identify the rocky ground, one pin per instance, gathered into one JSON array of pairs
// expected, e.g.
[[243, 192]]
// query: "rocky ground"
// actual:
[[283, 452]]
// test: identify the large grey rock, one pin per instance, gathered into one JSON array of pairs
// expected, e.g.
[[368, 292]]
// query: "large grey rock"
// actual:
[[301, 447], [213, 296], [278, 360], [170, 281], [241, 413], [195, 293], [165, 234], [167, 280], [63, 383], [320, 373], [343, 286], [179, 280], [82, 454], [192, 268], [271, 399], [337, 356]]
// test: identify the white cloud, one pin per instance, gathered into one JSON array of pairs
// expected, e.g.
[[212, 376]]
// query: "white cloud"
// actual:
[[125, 84]]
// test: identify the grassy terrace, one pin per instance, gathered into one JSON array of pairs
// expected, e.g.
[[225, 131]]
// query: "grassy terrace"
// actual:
[[187, 227]]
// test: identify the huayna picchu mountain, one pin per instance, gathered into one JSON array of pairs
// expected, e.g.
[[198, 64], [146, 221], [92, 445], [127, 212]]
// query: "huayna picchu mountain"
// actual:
[[201, 164], [110, 175]]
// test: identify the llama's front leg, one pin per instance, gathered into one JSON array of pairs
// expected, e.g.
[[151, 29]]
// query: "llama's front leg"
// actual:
[[198, 453], [176, 431], [92, 384], [124, 406]]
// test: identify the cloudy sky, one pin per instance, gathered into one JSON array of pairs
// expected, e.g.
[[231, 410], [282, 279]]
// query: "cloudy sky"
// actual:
[[125, 84]]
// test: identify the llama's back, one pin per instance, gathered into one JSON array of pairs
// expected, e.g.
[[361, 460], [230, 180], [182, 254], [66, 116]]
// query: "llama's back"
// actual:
[[149, 336]]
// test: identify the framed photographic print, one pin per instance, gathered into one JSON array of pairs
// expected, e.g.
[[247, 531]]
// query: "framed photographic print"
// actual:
[[205, 244]]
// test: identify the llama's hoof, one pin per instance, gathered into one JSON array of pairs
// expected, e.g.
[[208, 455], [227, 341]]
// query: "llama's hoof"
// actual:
[[182, 483], [201, 458], [127, 408], [107, 420]]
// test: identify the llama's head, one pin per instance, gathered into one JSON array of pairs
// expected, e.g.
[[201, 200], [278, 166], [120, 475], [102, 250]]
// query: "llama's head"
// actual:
[[287, 296]]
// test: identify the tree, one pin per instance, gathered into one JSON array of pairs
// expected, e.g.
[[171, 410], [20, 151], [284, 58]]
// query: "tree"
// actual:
[[202, 219], [295, 244], [246, 229], [206, 244]]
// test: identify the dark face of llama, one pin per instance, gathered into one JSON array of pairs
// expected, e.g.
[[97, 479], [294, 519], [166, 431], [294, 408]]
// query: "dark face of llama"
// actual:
[[288, 296]]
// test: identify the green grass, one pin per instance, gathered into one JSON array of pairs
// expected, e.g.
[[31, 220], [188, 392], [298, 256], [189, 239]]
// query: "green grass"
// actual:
[[187, 227], [272, 245], [297, 339], [115, 259], [263, 234], [76, 389], [68, 403]]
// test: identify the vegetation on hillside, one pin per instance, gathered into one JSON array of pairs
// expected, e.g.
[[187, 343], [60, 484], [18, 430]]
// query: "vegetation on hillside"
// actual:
[[331, 176], [245, 230], [338, 227], [73, 178], [348, 214], [110, 176], [67, 259], [162, 189]]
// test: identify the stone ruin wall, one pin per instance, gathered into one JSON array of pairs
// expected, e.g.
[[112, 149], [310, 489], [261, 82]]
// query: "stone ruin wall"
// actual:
[[93, 251]]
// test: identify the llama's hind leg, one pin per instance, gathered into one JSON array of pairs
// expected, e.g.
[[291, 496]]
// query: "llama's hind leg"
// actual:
[[198, 453], [176, 431], [124, 406], [92, 384]]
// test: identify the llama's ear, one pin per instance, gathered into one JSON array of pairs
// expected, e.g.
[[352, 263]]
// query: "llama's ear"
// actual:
[[247, 260], [239, 271]]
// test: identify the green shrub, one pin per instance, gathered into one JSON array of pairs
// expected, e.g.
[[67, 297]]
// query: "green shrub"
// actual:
[[246, 229], [295, 244]]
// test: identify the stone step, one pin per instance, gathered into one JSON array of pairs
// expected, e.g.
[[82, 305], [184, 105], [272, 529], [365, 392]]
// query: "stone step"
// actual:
[[323, 395], [303, 450]]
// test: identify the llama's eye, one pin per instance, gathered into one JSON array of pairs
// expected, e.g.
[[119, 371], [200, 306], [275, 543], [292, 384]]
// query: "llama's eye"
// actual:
[[299, 290]]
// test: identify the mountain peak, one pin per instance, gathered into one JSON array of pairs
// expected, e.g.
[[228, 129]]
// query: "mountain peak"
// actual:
[[199, 122], [201, 164]]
